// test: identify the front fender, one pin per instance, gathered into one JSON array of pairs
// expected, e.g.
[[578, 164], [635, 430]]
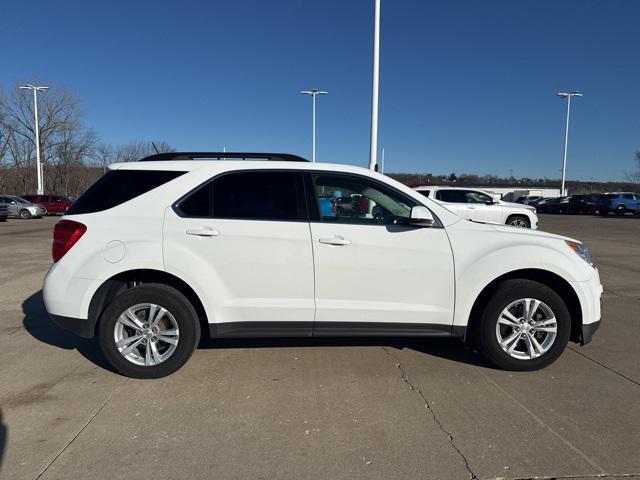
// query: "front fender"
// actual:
[[483, 254]]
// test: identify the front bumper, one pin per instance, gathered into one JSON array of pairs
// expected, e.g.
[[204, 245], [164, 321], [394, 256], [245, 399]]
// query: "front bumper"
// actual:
[[588, 329], [79, 326]]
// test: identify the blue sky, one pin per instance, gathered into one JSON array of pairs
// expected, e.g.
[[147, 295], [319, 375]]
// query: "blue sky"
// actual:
[[466, 86]]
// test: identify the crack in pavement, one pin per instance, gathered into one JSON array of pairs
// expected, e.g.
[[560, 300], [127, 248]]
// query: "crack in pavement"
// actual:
[[604, 366], [97, 412], [405, 379]]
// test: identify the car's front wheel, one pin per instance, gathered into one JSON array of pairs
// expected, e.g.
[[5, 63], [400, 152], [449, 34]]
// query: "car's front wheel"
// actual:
[[519, 221], [149, 331], [621, 210], [525, 326], [24, 214]]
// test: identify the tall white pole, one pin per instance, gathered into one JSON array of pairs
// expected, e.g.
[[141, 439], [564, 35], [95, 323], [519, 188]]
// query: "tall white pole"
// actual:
[[315, 92], [566, 146], [313, 128], [35, 109], [373, 147]]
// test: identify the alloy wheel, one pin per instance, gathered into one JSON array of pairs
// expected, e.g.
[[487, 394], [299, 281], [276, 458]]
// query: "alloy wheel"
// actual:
[[518, 222], [146, 334], [526, 329]]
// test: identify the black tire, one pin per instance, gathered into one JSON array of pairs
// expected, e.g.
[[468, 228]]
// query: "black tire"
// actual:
[[519, 219], [171, 299], [339, 211], [603, 212], [25, 214], [621, 210], [3, 219], [506, 293]]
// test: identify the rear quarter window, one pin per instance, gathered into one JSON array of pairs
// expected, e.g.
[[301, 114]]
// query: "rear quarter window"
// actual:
[[119, 186]]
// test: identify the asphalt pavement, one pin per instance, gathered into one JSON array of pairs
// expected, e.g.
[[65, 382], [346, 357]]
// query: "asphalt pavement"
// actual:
[[298, 409]]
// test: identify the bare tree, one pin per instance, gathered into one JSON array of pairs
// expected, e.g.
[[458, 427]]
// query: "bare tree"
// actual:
[[64, 142], [634, 176], [134, 151]]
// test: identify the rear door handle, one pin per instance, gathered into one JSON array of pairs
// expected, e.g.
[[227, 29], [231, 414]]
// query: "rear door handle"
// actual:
[[203, 232], [471, 208], [335, 240]]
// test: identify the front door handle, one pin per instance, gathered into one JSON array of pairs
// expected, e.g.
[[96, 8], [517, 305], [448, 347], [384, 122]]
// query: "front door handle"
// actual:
[[335, 240], [471, 207], [203, 232]]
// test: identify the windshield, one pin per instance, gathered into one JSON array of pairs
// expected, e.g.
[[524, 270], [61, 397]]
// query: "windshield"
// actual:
[[19, 200]]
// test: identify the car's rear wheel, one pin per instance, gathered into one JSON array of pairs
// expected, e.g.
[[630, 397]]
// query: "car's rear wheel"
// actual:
[[621, 210], [519, 221], [24, 214], [524, 326], [149, 331]]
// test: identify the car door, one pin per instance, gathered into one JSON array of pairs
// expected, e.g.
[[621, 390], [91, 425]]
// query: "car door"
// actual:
[[375, 273], [630, 201], [12, 205], [483, 208], [453, 199], [4, 202], [244, 238]]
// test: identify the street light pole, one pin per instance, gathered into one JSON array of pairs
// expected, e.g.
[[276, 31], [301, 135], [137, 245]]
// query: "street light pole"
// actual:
[[373, 146], [314, 93], [37, 89], [566, 135]]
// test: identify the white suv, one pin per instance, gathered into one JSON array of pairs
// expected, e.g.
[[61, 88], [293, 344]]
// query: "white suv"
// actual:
[[479, 206], [158, 252]]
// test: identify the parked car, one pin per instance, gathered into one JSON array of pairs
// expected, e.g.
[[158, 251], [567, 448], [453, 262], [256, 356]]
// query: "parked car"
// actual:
[[553, 205], [160, 251], [540, 201], [618, 203], [582, 204], [55, 204], [18, 207], [4, 213], [479, 206], [528, 199]]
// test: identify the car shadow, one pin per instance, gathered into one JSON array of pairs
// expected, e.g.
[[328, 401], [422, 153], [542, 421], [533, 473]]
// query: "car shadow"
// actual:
[[37, 323], [447, 348], [3, 438]]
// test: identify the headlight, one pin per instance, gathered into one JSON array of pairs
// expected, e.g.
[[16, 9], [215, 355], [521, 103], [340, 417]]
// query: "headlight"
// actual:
[[582, 251]]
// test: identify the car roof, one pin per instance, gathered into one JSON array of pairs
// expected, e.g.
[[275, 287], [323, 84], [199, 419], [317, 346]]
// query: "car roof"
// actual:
[[224, 165]]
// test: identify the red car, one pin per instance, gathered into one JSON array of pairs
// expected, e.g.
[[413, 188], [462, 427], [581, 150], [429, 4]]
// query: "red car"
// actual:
[[55, 204]]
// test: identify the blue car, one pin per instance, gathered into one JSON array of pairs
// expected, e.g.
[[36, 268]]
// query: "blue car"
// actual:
[[618, 203]]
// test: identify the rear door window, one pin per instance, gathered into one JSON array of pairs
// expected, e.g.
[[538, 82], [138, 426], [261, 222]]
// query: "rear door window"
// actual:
[[119, 186], [477, 197], [452, 196], [251, 195]]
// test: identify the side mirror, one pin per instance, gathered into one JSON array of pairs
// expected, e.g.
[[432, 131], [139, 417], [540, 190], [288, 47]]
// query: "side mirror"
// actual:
[[421, 217], [490, 202]]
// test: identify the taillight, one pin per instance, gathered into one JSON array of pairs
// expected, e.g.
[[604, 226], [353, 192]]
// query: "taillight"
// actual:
[[65, 235]]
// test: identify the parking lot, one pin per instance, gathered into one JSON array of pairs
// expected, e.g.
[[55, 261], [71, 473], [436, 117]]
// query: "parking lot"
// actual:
[[355, 408]]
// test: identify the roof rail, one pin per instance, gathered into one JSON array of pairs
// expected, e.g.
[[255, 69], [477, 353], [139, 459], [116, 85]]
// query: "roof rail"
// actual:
[[278, 157]]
